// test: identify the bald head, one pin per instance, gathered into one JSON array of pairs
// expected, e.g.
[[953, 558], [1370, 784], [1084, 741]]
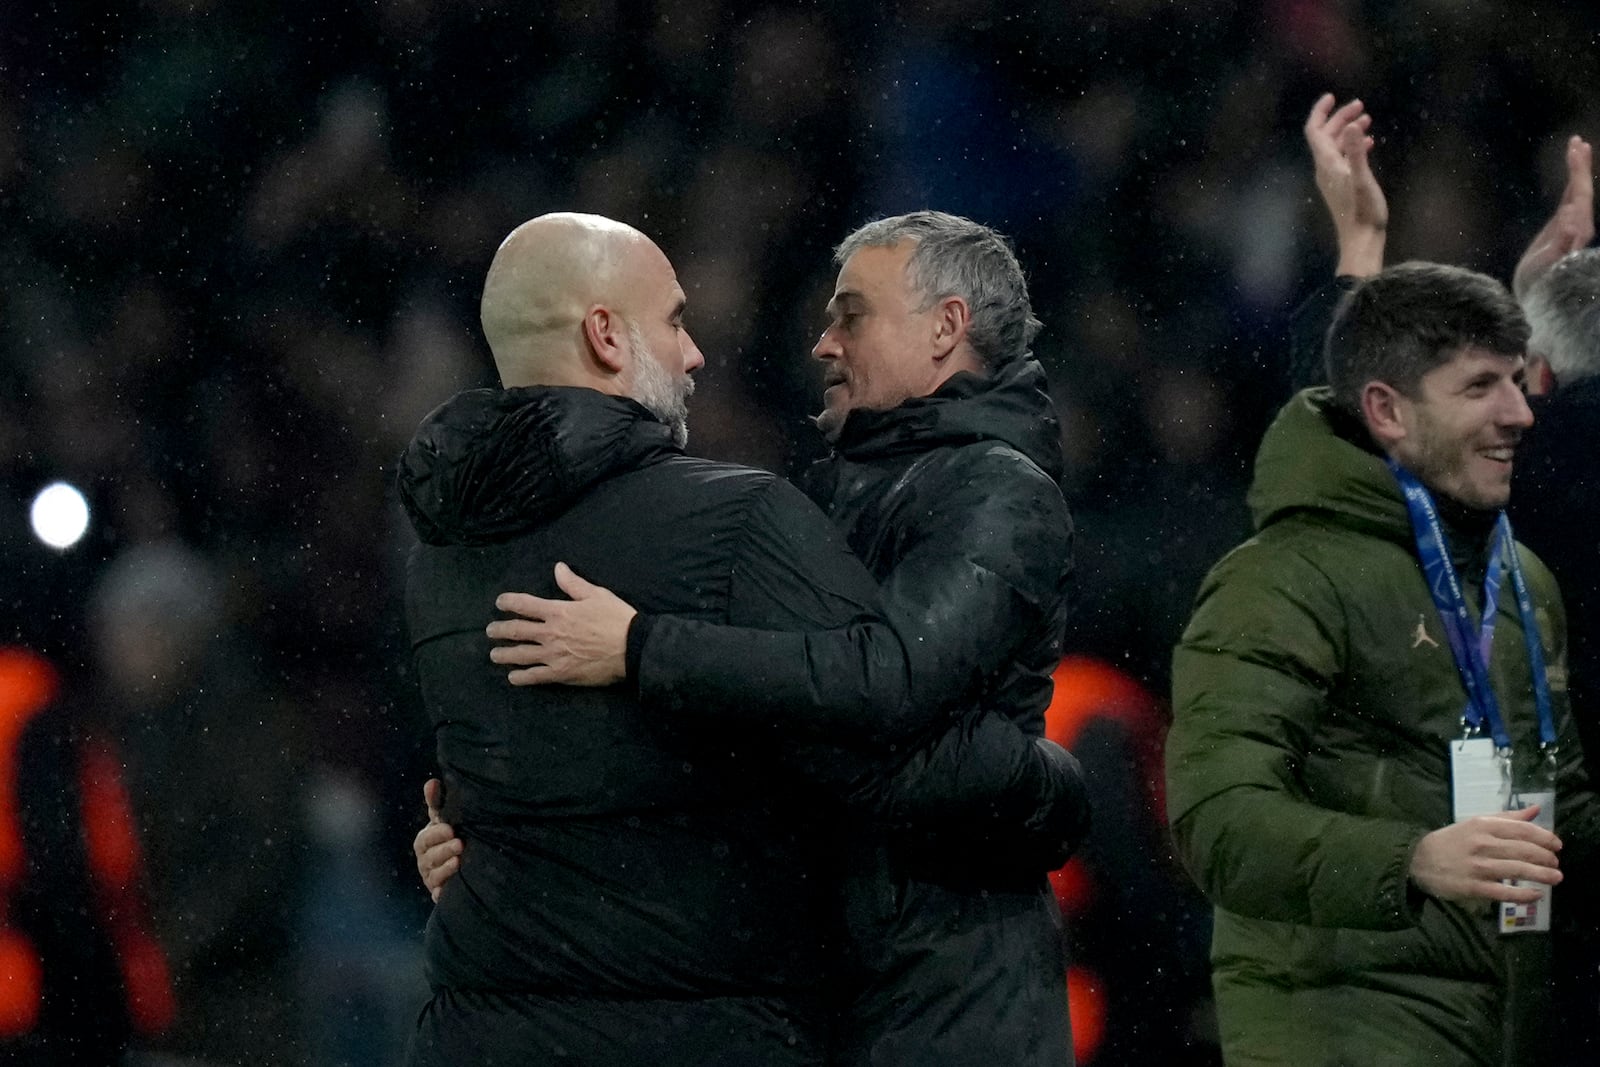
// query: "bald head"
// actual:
[[544, 280]]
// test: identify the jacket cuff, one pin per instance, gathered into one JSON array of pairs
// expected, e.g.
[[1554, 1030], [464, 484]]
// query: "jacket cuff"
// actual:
[[638, 633], [1308, 330], [1411, 895], [1067, 817], [1398, 900]]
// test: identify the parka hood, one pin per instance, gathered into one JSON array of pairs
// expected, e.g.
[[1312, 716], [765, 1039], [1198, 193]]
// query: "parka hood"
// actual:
[[1313, 458], [489, 464], [1013, 407]]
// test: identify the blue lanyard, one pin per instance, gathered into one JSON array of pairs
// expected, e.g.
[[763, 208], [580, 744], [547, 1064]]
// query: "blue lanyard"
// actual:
[[1472, 655], [1530, 639]]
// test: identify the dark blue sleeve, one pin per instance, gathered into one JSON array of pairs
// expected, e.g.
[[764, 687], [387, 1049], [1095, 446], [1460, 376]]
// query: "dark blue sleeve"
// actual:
[[1308, 333]]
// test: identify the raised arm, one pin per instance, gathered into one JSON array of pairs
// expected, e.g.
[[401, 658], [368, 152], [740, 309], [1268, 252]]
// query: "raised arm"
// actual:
[[1570, 228], [1340, 145]]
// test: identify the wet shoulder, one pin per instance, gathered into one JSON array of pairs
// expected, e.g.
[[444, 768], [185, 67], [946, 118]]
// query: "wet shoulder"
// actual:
[[987, 466]]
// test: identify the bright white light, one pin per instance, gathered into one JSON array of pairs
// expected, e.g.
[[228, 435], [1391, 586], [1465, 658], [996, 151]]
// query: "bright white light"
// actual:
[[60, 515]]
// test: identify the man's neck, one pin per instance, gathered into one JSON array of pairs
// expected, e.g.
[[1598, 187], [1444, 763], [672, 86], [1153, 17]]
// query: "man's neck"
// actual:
[[1466, 535], [1464, 521]]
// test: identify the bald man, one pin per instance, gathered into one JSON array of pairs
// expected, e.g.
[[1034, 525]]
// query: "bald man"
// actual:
[[631, 893], [641, 890], [585, 301]]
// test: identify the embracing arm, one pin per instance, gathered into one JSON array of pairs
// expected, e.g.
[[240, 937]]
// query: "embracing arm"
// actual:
[[985, 573], [804, 651], [988, 785], [985, 567], [979, 572]]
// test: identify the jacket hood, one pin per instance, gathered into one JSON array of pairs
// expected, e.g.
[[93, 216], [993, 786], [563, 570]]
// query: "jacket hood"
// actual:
[[1012, 407], [489, 464], [1311, 459]]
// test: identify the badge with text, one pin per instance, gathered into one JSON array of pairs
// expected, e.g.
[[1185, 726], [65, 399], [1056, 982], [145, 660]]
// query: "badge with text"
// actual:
[[1480, 778], [1528, 918]]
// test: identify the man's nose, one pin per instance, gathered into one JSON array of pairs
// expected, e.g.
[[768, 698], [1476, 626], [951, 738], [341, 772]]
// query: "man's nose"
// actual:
[[1516, 412], [827, 346], [693, 358]]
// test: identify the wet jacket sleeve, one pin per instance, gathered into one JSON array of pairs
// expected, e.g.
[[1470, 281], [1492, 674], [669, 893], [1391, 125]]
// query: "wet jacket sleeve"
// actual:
[[805, 650], [1250, 678], [1308, 331], [981, 572], [986, 784]]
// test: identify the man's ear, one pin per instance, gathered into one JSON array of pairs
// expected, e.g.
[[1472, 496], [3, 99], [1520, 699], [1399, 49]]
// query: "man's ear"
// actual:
[[1386, 412], [1541, 379], [952, 318], [604, 330]]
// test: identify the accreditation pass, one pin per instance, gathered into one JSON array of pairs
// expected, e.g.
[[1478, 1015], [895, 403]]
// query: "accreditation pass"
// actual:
[[1480, 784]]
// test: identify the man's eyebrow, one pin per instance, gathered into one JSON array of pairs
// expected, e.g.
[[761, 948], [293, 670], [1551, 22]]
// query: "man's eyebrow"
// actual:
[[842, 297], [678, 308], [1488, 376]]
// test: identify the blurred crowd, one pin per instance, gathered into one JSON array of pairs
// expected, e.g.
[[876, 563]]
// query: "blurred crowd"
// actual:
[[241, 258]]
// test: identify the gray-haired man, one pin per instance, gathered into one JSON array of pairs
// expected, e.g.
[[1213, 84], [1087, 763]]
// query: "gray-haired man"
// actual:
[[1556, 488], [944, 479]]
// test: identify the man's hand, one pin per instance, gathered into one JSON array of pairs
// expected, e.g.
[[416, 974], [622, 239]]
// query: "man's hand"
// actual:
[[1471, 859], [1339, 147], [582, 641], [437, 848], [1572, 225]]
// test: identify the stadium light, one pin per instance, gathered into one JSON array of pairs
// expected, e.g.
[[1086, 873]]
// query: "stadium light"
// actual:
[[60, 515]]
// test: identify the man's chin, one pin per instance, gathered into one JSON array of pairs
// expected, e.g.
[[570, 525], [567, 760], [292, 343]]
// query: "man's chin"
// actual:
[[1483, 499], [830, 422]]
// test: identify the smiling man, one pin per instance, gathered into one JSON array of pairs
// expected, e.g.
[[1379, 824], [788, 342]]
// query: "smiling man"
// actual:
[[1359, 767]]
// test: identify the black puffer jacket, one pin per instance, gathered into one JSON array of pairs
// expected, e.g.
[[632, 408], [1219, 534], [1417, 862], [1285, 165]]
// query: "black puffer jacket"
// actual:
[[952, 501], [631, 891]]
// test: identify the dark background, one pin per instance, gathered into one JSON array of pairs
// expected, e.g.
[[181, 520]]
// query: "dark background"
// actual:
[[241, 246]]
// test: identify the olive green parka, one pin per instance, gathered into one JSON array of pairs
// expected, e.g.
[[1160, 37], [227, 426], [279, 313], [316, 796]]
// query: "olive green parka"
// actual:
[[1314, 697]]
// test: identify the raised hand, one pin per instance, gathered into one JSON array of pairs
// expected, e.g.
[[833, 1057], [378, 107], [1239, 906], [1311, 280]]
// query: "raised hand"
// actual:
[[1472, 859], [1340, 144], [1572, 225], [582, 641]]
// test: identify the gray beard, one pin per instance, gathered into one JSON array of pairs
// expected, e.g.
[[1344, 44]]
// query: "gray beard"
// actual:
[[655, 389]]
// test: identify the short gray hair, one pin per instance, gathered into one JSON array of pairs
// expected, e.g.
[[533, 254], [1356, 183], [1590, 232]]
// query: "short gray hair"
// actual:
[[1563, 309], [958, 257]]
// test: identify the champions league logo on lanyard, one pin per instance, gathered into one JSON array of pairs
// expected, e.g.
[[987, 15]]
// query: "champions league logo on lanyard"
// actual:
[[1471, 651], [1483, 777]]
